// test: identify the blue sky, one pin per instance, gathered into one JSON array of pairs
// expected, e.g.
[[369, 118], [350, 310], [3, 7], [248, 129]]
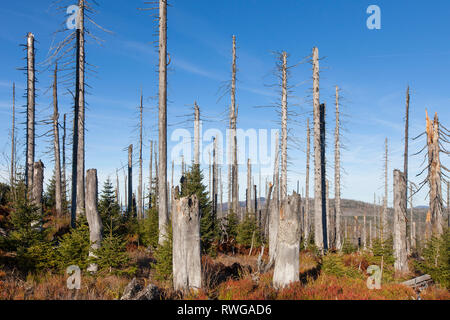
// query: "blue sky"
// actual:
[[373, 68]]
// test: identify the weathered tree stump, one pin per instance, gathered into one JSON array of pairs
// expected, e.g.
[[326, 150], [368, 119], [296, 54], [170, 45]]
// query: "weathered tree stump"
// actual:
[[38, 183], [92, 215], [400, 253], [288, 243], [186, 242]]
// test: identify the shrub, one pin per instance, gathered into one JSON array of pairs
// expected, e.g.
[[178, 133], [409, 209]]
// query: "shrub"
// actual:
[[248, 232], [163, 256]]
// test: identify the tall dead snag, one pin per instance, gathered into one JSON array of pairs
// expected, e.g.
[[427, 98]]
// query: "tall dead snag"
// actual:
[[337, 174], [319, 179], [38, 183], [405, 158], [80, 110], [249, 186], [274, 204], [140, 205], [329, 219], [13, 139], [92, 215], [287, 259], [400, 252], [308, 153], [58, 188], [150, 182], [186, 242], [323, 178], [63, 171], [284, 115], [30, 136], [384, 218], [434, 175], [411, 220], [196, 134], [130, 180], [233, 122], [162, 124]]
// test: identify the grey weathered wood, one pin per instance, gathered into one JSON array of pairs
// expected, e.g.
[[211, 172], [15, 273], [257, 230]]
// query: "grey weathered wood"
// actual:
[[400, 250], [384, 216], [140, 205], [284, 115], [307, 210], [421, 281], [56, 149], [150, 182], [337, 174], [63, 170], [186, 242], [274, 204], [92, 215], [162, 123], [79, 97], [130, 180], [249, 186], [287, 260], [30, 136], [323, 175], [38, 183], [405, 163], [434, 176], [196, 133], [233, 122]]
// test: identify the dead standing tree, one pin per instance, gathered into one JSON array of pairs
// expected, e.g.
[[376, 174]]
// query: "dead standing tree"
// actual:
[[337, 175], [405, 159], [30, 134], [287, 259], [140, 206], [384, 216], [284, 118], [92, 215], [320, 233], [400, 251], [186, 242], [56, 147], [233, 122], [130, 181], [307, 210]]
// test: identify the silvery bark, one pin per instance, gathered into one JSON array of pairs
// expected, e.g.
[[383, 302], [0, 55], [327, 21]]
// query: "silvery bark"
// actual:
[[130, 180], [249, 186], [140, 206], [92, 215], [38, 184], [30, 113], [287, 259], [58, 188], [63, 172], [196, 134], [323, 179], [329, 220], [80, 90], [405, 159], [274, 205], [186, 242], [150, 182], [307, 210], [233, 121], [364, 235], [337, 174], [411, 219], [162, 124], [400, 252], [434, 176], [318, 227], [283, 184]]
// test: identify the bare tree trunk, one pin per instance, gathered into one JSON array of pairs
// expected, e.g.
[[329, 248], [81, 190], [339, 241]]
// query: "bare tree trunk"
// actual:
[[30, 112], [157, 180], [140, 205], [249, 186], [80, 90], [434, 176], [323, 178], [400, 253], [38, 183], [370, 234], [221, 193], [328, 214], [186, 242], [405, 163], [162, 174], [288, 243], [233, 121], [63, 173], [337, 174], [125, 196], [265, 226], [130, 180], [13, 140], [214, 178], [150, 183], [411, 219], [58, 189], [92, 215], [117, 187], [364, 235], [384, 219], [319, 239], [307, 210], [196, 134], [283, 184], [274, 205]]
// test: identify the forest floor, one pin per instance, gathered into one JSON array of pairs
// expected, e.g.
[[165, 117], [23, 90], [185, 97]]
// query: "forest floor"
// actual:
[[227, 276]]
